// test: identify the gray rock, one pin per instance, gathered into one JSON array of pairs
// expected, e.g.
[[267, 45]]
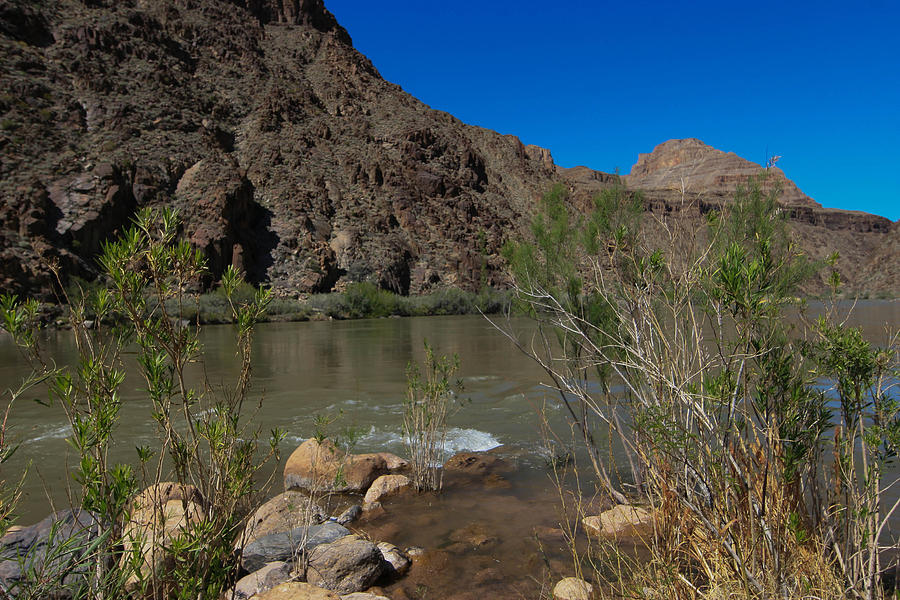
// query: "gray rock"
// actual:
[[285, 545], [54, 551], [397, 560], [351, 564], [263, 580], [350, 515], [282, 513]]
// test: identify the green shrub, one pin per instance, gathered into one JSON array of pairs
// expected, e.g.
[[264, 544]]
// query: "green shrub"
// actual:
[[205, 437], [763, 485]]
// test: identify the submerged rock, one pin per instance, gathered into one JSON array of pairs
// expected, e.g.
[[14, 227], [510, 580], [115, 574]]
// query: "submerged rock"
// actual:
[[476, 463], [474, 535]]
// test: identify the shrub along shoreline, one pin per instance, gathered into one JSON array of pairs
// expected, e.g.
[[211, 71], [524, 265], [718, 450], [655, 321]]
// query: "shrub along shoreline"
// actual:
[[361, 300]]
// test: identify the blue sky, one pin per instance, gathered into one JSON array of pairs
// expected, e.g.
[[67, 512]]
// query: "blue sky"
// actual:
[[599, 82]]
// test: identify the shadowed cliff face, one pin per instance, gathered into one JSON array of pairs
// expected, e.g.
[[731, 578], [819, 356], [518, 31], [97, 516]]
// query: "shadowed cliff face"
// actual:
[[283, 148]]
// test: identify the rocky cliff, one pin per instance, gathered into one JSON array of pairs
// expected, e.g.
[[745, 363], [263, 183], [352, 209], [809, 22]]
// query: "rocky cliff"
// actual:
[[285, 151]]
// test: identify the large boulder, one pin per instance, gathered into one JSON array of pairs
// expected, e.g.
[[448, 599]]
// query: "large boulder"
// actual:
[[351, 564], [321, 466], [160, 493], [287, 545], [297, 591], [621, 521], [150, 532], [386, 486], [572, 588], [284, 512], [271, 575], [54, 551]]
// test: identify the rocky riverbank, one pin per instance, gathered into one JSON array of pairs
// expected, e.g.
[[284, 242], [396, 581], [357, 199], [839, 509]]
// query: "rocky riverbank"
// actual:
[[352, 526]]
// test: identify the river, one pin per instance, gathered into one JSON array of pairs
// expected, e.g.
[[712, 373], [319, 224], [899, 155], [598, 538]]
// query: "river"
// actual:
[[354, 372]]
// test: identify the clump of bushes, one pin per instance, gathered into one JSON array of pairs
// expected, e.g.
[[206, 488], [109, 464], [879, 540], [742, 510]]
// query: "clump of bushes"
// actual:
[[365, 299], [207, 443], [764, 447]]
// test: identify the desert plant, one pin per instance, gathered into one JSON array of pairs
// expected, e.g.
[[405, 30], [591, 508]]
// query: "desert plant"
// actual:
[[723, 420], [426, 407]]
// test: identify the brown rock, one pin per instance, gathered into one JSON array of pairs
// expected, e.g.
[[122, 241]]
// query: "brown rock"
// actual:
[[387, 486], [572, 588], [394, 462], [271, 575], [476, 463], [151, 530], [316, 466], [167, 491], [297, 591], [700, 168], [549, 534], [621, 521], [474, 535]]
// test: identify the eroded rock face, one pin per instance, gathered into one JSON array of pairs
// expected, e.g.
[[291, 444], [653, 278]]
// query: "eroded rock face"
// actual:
[[698, 168], [685, 179], [313, 171]]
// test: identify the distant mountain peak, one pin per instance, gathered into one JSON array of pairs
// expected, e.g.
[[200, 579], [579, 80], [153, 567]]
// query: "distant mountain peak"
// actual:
[[696, 167]]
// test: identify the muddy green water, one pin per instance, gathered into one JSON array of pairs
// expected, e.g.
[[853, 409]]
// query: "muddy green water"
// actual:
[[354, 371]]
